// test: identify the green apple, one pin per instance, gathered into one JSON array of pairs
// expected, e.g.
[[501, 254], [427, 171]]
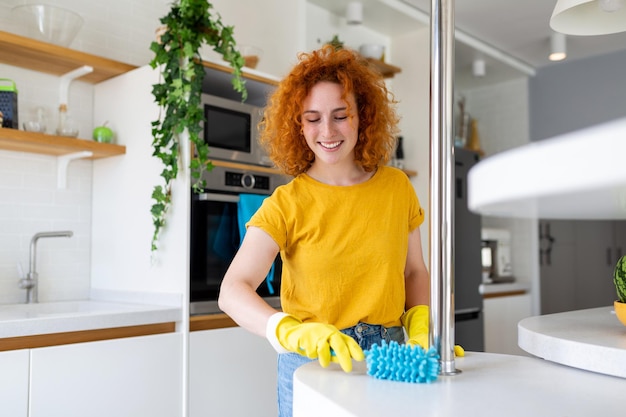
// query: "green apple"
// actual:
[[103, 134]]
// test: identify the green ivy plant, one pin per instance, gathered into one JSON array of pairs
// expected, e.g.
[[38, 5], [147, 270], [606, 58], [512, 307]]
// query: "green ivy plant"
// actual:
[[189, 25]]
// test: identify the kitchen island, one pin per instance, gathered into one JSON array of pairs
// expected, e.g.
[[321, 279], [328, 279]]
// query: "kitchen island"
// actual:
[[591, 339], [489, 385]]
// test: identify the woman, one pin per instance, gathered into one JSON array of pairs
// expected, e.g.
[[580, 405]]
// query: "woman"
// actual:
[[346, 226]]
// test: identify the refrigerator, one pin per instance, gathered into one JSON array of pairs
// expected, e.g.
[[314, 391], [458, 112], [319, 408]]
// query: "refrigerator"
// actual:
[[468, 302]]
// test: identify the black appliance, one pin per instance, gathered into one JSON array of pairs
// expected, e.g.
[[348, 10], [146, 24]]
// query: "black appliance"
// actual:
[[468, 311], [215, 236], [231, 130]]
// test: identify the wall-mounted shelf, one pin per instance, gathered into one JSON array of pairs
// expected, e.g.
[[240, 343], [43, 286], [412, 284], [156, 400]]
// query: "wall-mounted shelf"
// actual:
[[21, 141], [48, 58], [44, 57], [387, 70]]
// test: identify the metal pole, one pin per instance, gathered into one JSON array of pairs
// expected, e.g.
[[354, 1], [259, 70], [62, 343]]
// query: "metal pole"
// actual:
[[441, 183]]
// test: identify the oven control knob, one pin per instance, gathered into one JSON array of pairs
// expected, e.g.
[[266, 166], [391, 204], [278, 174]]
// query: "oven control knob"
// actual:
[[248, 181]]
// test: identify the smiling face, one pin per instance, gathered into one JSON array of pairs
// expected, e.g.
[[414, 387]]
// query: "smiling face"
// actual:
[[329, 129]]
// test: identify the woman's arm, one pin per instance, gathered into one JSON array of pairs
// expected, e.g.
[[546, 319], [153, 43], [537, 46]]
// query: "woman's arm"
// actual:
[[238, 297], [416, 276]]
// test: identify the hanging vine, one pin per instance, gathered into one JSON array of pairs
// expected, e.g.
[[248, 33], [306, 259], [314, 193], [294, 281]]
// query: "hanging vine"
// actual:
[[188, 26]]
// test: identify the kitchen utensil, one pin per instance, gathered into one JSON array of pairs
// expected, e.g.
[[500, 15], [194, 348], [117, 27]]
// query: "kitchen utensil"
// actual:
[[403, 363]]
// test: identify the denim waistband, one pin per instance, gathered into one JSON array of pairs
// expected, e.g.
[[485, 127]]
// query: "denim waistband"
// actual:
[[367, 334]]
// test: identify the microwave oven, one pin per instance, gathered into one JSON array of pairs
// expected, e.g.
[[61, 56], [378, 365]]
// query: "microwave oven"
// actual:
[[231, 130]]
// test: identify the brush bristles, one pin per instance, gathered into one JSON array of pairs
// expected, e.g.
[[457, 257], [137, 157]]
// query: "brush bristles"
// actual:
[[404, 363]]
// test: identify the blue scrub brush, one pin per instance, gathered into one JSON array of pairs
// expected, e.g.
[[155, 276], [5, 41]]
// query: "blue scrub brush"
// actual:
[[403, 363]]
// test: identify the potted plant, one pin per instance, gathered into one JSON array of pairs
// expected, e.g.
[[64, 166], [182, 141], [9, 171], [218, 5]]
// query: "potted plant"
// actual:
[[189, 25], [619, 278]]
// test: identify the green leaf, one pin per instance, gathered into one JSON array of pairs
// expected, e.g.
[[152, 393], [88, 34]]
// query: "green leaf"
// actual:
[[190, 25]]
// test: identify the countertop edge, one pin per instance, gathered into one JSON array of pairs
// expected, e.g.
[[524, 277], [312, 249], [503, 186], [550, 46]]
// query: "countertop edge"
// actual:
[[596, 345], [114, 315]]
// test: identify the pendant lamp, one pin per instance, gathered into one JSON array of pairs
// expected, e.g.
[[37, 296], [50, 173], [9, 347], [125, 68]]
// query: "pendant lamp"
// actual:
[[589, 17]]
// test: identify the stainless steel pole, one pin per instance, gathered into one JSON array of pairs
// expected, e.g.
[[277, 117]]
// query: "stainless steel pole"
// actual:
[[441, 182]]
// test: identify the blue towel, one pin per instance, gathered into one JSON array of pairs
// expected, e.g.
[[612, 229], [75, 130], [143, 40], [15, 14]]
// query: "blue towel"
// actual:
[[247, 206]]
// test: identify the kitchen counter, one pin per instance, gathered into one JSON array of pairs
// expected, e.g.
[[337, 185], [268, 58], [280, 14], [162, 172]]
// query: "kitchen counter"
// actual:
[[490, 385], [27, 325], [503, 289], [591, 339]]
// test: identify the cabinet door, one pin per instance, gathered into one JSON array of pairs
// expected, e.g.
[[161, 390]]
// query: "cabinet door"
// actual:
[[131, 377], [594, 263], [502, 314], [14, 383], [577, 262], [619, 233], [231, 373], [557, 267]]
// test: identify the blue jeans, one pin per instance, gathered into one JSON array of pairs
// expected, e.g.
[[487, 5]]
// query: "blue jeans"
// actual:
[[365, 335]]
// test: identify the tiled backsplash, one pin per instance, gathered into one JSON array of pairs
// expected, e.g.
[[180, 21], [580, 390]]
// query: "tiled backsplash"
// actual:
[[32, 203]]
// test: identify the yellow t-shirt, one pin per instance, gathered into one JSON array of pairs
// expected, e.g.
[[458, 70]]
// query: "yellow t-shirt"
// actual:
[[343, 248]]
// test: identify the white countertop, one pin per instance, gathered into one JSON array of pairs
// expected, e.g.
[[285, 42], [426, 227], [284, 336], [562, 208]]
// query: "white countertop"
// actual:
[[490, 385], [592, 339], [67, 316], [505, 287]]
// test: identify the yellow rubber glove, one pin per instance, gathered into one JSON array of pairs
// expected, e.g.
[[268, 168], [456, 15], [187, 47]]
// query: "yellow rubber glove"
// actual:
[[415, 321], [314, 340]]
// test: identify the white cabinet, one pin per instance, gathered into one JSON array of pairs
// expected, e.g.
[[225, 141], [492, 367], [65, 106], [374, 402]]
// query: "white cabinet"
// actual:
[[502, 314], [14, 383], [231, 373], [129, 377]]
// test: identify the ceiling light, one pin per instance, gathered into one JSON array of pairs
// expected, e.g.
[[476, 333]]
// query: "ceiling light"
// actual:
[[478, 67], [589, 17], [354, 13], [557, 47]]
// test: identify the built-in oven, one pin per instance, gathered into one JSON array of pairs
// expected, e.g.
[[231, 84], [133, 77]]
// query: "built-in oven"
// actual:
[[217, 218]]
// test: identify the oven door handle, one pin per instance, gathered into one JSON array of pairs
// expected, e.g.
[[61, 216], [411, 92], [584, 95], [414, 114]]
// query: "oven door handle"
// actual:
[[228, 198]]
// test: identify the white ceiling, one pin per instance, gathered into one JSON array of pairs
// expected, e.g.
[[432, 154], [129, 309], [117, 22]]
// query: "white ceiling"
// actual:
[[516, 29]]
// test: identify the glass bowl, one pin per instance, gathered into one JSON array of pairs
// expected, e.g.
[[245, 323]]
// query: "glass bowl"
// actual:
[[369, 50], [35, 126], [49, 23]]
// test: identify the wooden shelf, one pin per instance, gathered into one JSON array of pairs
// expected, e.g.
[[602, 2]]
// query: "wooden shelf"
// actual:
[[387, 70], [48, 58], [21, 141], [248, 74]]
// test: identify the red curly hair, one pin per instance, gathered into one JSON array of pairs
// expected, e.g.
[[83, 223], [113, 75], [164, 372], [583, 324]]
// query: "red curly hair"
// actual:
[[281, 129]]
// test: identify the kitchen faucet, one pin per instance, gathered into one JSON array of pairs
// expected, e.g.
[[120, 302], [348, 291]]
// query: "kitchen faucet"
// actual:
[[30, 282]]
